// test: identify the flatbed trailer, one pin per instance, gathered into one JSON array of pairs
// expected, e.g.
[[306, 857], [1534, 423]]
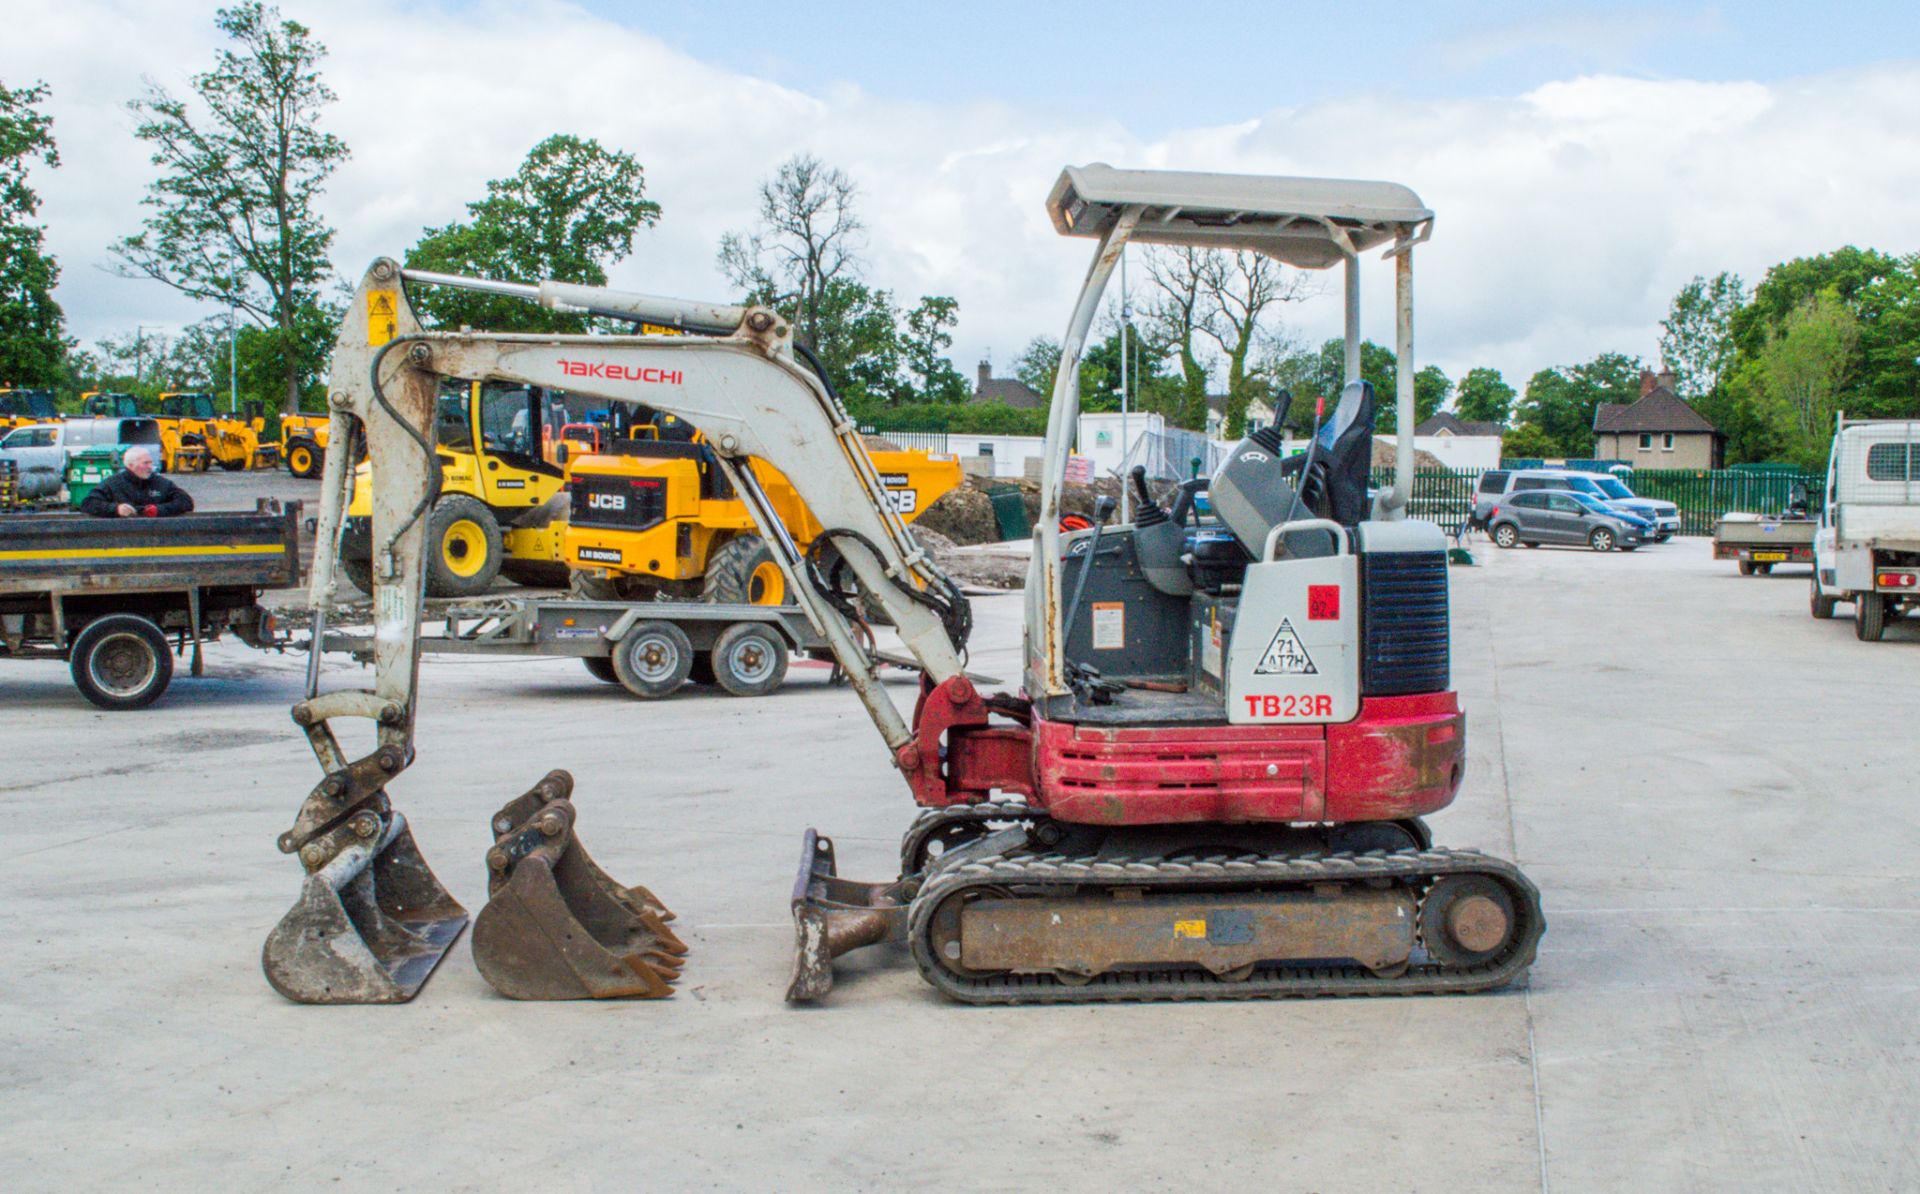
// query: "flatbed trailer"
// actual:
[[117, 598], [650, 648], [1759, 541]]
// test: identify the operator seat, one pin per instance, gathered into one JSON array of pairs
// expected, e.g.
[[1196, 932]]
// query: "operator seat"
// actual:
[[1334, 484]]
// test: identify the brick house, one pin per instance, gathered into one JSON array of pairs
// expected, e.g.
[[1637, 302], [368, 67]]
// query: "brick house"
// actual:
[[1012, 391], [1658, 431]]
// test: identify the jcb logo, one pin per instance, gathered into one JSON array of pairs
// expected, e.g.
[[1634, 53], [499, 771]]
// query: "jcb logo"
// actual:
[[606, 501], [903, 501]]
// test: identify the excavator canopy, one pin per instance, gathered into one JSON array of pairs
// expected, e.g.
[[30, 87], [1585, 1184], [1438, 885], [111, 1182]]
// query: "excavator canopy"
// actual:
[[1308, 223]]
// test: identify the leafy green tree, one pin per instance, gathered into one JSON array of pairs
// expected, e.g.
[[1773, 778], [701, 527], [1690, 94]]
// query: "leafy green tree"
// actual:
[[1529, 442], [1484, 397], [1696, 337], [570, 211], [1802, 374], [1845, 273], [1320, 376], [32, 327], [1561, 402], [1037, 365], [922, 346], [234, 212]]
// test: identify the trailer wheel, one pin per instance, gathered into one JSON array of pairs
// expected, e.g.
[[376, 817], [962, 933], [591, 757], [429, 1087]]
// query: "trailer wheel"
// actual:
[[303, 459], [121, 661], [463, 548], [1818, 603], [653, 659], [1869, 617], [601, 668], [1745, 567], [749, 659]]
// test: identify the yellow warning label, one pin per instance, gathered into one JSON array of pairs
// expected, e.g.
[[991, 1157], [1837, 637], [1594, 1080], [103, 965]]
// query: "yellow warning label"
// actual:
[[1190, 928], [382, 320]]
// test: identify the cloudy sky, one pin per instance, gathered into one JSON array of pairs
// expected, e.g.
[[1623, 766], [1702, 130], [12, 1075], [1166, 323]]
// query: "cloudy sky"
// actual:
[[1584, 160]]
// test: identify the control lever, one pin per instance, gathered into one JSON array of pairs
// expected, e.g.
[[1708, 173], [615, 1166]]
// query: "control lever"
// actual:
[[1183, 498], [1147, 512]]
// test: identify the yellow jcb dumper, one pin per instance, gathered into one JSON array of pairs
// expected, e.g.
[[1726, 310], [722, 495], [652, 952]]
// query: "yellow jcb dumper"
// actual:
[[653, 514], [303, 443]]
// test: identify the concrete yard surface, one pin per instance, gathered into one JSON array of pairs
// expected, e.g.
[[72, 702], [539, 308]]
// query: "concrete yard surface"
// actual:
[[1713, 791]]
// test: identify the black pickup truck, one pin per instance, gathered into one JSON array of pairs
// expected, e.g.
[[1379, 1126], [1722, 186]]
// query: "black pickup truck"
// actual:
[[118, 598]]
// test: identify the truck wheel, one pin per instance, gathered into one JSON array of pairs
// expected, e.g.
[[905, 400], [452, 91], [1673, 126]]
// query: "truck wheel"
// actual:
[[743, 572], [601, 668], [121, 661], [1505, 535], [303, 459], [1601, 539], [1818, 603], [1764, 569], [749, 659], [653, 659], [463, 548], [1869, 617]]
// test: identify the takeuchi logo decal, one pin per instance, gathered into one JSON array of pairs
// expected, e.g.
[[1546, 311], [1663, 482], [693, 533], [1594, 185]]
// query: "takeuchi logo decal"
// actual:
[[660, 377]]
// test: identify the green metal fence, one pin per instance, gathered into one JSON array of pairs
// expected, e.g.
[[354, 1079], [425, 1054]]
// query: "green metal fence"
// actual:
[[1703, 495]]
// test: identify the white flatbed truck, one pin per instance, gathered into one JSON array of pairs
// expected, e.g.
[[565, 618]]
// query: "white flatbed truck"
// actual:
[[1867, 548]]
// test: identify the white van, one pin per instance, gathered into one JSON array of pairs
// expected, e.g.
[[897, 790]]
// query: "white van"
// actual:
[[40, 451]]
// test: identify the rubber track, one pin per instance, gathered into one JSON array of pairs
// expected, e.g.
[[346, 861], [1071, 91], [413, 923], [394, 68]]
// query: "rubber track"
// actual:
[[1070, 874], [932, 820]]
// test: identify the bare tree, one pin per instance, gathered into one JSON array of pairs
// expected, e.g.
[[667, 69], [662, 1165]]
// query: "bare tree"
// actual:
[[1238, 290], [1173, 319], [807, 237]]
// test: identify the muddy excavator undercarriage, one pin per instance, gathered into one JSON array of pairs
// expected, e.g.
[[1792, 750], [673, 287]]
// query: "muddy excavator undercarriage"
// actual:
[[1210, 785]]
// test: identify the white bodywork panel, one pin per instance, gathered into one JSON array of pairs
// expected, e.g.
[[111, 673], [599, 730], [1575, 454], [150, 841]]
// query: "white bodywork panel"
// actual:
[[1294, 654]]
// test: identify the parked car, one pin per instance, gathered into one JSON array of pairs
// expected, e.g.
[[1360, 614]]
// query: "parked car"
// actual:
[[1665, 516], [1560, 516], [41, 450], [1496, 484]]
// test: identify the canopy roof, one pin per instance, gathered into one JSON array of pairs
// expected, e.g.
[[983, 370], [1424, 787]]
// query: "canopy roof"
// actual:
[[1310, 223]]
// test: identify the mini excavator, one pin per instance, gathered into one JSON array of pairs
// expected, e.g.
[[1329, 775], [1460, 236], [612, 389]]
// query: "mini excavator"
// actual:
[[1211, 784]]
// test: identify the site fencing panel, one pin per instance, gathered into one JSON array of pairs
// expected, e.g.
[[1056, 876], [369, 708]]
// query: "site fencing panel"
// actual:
[[1703, 495]]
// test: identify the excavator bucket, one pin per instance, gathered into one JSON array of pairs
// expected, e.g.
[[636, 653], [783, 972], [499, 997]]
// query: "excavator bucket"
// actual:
[[832, 915], [372, 921], [556, 926]]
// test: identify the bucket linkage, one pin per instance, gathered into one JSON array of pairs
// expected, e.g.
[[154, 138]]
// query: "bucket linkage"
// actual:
[[556, 926]]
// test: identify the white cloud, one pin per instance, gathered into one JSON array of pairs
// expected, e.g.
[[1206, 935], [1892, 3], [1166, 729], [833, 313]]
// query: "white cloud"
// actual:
[[1567, 216]]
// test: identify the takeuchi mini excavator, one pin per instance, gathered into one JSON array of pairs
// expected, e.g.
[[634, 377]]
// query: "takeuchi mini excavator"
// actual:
[[1210, 785]]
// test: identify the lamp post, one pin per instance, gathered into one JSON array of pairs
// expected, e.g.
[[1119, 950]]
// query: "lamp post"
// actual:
[[233, 368]]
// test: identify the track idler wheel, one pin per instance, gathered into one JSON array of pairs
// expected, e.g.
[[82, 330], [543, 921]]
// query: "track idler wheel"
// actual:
[[556, 926], [1466, 920]]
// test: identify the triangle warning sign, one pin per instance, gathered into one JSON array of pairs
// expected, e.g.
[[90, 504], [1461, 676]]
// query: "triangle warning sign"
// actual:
[[1286, 655]]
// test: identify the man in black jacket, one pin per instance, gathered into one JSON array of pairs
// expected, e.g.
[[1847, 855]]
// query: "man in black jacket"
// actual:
[[137, 492]]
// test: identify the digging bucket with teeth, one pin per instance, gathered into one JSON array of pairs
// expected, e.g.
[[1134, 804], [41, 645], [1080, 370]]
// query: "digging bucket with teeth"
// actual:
[[556, 926]]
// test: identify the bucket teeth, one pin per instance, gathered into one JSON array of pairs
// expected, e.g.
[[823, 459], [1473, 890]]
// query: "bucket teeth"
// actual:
[[372, 921], [556, 926]]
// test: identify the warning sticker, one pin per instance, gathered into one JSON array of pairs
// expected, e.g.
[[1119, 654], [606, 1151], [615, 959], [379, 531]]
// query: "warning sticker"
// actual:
[[1109, 625], [1195, 929], [381, 317], [1286, 655]]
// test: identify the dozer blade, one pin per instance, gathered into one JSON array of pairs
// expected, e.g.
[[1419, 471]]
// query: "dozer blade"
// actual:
[[372, 921], [832, 915], [556, 926]]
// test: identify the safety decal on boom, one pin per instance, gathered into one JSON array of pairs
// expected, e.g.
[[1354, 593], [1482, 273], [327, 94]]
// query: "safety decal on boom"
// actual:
[[1286, 655]]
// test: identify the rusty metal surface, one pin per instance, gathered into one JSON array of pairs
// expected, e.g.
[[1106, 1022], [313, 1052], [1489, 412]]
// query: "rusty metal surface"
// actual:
[[832, 915], [1219, 933], [371, 923], [556, 926]]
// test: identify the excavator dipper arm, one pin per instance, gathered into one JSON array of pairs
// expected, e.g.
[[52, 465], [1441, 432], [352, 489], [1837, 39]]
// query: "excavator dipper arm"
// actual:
[[740, 385]]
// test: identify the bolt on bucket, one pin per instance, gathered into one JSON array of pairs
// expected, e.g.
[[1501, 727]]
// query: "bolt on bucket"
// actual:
[[372, 921], [556, 926]]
